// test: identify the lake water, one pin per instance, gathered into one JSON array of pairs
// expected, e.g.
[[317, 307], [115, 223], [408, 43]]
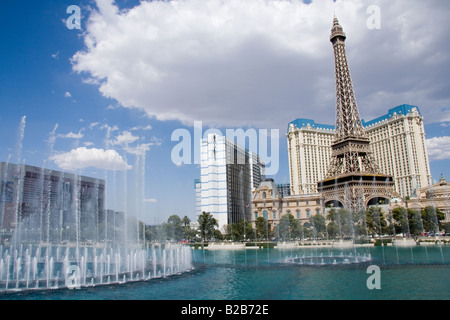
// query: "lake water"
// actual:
[[281, 274]]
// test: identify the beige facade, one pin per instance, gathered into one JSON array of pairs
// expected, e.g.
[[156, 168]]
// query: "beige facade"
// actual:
[[398, 145], [268, 203], [436, 195], [397, 142], [309, 152]]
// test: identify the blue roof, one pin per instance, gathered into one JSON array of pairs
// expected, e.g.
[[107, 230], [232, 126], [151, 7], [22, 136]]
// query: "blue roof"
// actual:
[[402, 109], [301, 122]]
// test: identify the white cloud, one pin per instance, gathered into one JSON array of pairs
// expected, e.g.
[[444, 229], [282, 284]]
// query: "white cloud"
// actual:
[[111, 107], [93, 125], [109, 128], [137, 128], [265, 62], [438, 148], [68, 94], [150, 200], [83, 158], [124, 139], [71, 135], [139, 149]]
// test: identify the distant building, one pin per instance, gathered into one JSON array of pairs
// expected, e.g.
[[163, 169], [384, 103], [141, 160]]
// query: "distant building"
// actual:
[[198, 198], [229, 173], [112, 226], [48, 204], [269, 203], [284, 189], [435, 195]]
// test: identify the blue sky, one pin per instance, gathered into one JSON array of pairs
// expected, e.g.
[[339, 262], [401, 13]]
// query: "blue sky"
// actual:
[[137, 71]]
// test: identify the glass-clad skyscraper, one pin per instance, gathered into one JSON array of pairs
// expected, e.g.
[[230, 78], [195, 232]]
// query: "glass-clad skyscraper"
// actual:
[[229, 172]]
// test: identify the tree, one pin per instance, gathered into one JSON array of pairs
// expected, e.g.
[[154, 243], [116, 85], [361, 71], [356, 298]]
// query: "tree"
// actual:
[[188, 232], [289, 228], [240, 230], [319, 225], [262, 228], [415, 222], [400, 216], [375, 221], [174, 228], [186, 221], [343, 223], [333, 230], [410, 221], [431, 218], [446, 227], [207, 224]]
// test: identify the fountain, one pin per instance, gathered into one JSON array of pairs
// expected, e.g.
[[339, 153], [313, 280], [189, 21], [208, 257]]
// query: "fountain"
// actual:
[[56, 233], [333, 258], [404, 242]]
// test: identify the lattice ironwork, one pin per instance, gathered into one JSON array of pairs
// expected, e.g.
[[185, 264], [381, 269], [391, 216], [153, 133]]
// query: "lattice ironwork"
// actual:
[[351, 150], [353, 177]]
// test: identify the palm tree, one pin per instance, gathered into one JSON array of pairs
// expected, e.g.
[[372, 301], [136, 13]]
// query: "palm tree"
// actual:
[[207, 223], [186, 221]]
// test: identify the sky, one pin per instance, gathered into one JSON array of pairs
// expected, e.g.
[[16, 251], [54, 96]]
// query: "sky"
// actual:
[[104, 97]]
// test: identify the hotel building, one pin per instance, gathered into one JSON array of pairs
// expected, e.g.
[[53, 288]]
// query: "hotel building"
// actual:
[[269, 202], [228, 175], [48, 204], [397, 140]]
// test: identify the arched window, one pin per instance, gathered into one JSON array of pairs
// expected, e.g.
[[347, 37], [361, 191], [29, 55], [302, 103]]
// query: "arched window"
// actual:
[[265, 214], [264, 195], [274, 215], [298, 214]]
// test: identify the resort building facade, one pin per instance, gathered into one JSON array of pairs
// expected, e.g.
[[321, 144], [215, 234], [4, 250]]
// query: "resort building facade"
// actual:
[[397, 140]]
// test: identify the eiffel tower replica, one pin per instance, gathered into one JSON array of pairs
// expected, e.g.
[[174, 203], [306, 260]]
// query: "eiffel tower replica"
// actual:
[[353, 178]]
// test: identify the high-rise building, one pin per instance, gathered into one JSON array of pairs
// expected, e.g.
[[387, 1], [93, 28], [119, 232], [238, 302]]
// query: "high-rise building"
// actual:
[[229, 172], [198, 199], [399, 147], [309, 152], [397, 140], [49, 205]]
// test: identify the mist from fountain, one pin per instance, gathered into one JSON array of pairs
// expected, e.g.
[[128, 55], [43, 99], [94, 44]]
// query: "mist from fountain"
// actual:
[[61, 233], [375, 224]]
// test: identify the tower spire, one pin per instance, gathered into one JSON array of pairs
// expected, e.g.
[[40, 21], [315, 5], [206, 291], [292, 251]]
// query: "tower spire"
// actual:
[[351, 152], [353, 177]]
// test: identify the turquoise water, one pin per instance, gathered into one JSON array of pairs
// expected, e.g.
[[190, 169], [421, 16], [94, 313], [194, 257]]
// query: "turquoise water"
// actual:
[[265, 274]]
